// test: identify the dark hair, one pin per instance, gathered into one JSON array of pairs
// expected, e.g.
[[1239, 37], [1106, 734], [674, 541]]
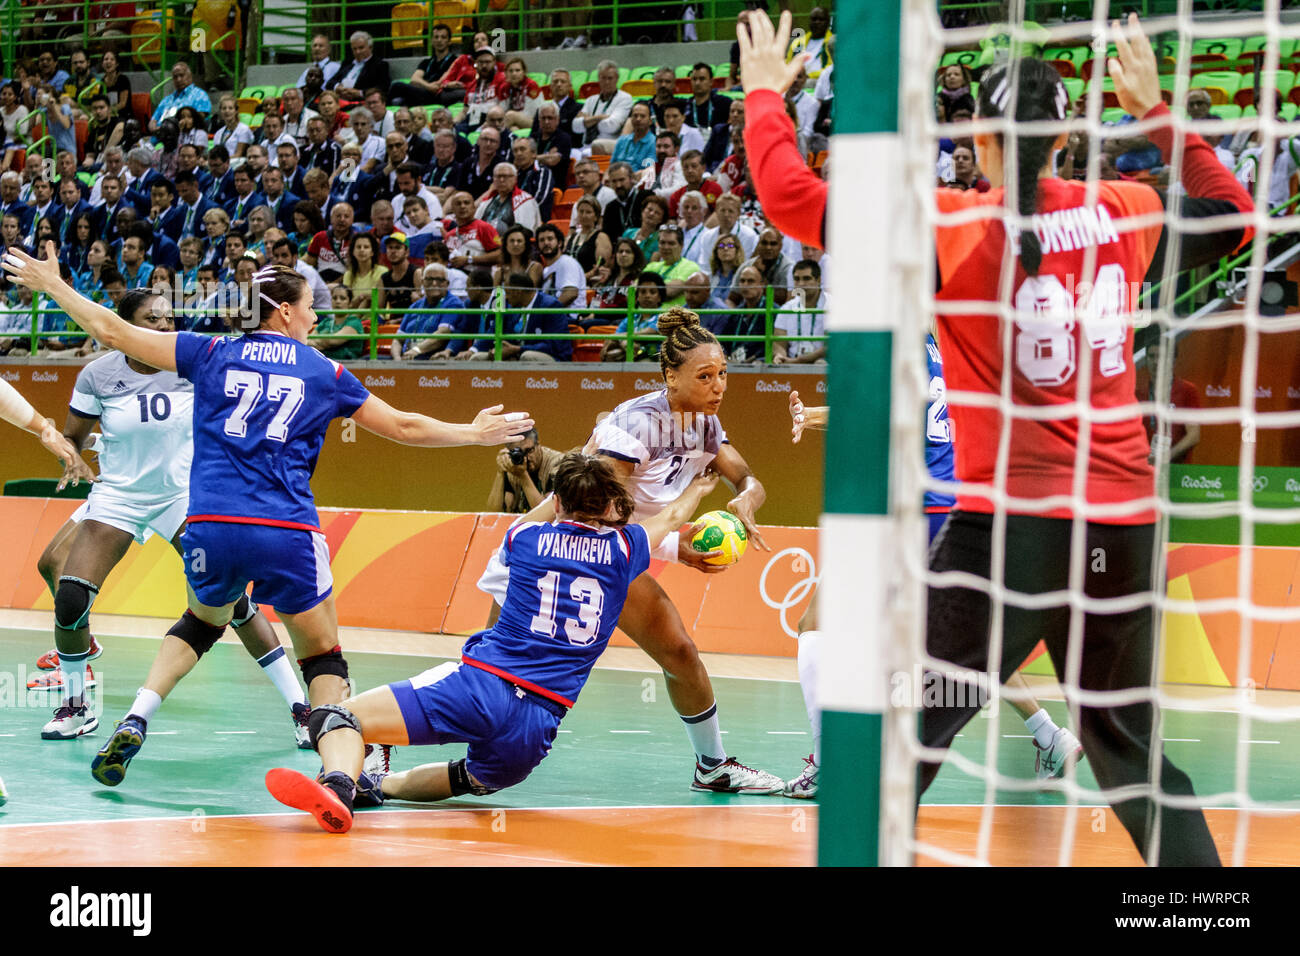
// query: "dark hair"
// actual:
[[142, 231], [376, 252], [520, 280], [553, 229], [437, 250], [441, 26], [682, 333], [414, 170], [284, 243], [376, 89], [675, 230], [638, 257], [667, 134], [479, 279], [807, 264], [108, 275], [100, 96], [702, 66], [186, 176], [244, 171], [219, 153], [656, 280], [311, 212], [1038, 94], [586, 485]]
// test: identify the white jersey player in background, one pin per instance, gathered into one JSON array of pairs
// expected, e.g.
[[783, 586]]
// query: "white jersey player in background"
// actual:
[[658, 444], [146, 419]]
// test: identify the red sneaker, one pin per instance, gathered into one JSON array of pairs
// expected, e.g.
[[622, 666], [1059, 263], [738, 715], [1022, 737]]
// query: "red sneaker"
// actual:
[[53, 680], [301, 792], [50, 660]]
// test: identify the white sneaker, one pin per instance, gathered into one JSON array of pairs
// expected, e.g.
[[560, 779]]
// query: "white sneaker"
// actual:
[[1051, 761], [301, 731], [69, 723], [804, 786], [378, 762], [4, 794], [732, 776]]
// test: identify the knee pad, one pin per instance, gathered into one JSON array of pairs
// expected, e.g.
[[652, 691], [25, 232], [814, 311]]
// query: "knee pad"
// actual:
[[198, 634], [330, 717], [331, 662], [72, 603], [462, 782], [244, 611]]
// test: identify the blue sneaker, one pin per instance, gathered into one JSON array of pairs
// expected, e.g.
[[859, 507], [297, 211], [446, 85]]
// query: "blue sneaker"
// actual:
[[370, 789], [109, 765]]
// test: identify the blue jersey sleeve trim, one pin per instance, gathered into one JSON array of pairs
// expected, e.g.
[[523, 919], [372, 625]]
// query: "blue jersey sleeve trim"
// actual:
[[81, 414]]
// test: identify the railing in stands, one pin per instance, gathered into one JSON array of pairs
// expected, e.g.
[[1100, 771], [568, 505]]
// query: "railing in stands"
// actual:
[[498, 333]]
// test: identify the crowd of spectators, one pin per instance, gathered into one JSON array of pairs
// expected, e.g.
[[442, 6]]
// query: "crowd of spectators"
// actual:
[[558, 211]]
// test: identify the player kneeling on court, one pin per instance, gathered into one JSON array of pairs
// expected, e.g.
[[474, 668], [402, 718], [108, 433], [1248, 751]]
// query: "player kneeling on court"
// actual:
[[515, 682]]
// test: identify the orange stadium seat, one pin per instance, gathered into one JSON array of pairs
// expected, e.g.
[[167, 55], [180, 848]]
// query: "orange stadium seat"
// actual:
[[455, 14], [388, 328], [590, 351], [142, 107], [146, 41], [561, 224], [408, 25]]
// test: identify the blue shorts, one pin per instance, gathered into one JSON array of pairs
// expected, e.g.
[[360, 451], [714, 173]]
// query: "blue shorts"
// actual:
[[290, 569], [508, 735]]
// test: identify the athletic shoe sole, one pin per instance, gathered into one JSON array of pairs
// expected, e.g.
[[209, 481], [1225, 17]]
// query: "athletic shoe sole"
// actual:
[[299, 791], [752, 791], [49, 660], [89, 727], [109, 765]]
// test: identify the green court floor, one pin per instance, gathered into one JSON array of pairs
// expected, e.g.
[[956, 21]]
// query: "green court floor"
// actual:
[[214, 739]]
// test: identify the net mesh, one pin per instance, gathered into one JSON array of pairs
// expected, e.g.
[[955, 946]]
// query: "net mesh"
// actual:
[[1238, 760]]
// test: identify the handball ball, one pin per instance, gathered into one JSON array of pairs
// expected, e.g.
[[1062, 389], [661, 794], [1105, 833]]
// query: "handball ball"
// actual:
[[720, 531]]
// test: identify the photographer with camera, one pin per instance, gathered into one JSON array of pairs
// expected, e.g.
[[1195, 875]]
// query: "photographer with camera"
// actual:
[[525, 475]]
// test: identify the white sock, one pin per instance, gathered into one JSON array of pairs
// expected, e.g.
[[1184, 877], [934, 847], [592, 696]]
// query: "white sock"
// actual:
[[146, 704], [74, 677], [706, 737], [275, 664], [1041, 726], [809, 655]]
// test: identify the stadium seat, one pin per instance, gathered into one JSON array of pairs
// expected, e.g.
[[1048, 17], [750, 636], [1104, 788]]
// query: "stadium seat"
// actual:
[[250, 105], [409, 20], [683, 71], [1283, 82], [141, 107], [578, 77], [1222, 50], [588, 351], [541, 79], [1229, 111], [601, 160], [286, 88], [561, 224], [644, 72], [588, 89], [387, 328], [146, 42], [259, 92], [212, 15], [1222, 85], [1288, 111], [1073, 86], [1113, 115], [82, 132], [683, 86], [639, 87], [964, 57], [1285, 48], [570, 195], [455, 14]]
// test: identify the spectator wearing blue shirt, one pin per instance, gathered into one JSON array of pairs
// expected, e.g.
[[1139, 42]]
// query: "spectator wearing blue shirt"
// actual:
[[185, 94], [135, 270], [48, 71], [522, 298], [637, 148], [436, 296]]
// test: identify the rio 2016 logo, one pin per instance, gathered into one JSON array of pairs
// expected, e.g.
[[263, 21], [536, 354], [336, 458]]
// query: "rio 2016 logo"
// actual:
[[801, 562]]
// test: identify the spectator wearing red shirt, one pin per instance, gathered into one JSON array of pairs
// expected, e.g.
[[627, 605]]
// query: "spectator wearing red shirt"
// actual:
[[1183, 437], [693, 170], [488, 88], [471, 241]]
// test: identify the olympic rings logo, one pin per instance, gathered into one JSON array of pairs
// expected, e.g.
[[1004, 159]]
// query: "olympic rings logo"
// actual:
[[802, 561], [1260, 482]]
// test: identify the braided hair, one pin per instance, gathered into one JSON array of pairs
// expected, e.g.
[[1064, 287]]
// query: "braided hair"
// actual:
[[1039, 95], [682, 333]]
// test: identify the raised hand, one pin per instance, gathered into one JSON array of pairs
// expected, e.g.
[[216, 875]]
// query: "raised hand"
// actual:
[[1137, 79], [762, 53], [39, 275], [495, 428]]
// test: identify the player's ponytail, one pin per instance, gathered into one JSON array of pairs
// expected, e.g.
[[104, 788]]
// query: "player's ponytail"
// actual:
[[586, 486], [1039, 95], [682, 330]]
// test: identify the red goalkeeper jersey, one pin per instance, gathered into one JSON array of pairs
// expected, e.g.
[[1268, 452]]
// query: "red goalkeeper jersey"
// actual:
[[1061, 313]]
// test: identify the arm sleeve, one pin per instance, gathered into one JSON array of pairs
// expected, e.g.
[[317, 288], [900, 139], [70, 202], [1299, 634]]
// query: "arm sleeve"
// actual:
[[639, 545], [1212, 190], [191, 349], [84, 401], [792, 196], [351, 394]]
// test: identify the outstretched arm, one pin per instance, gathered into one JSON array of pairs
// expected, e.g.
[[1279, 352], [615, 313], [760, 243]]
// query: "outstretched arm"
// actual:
[[803, 417], [680, 511], [42, 275], [16, 410], [489, 427]]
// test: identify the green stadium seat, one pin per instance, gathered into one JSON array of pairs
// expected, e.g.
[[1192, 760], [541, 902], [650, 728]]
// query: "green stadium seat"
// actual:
[[541, 79], [733, 94], [260, 92], [1229, 48], [1283, 81], [1288, 111], [1222, 85], [644, 72], [286, 88], [624, 74], [1229, 111], [1073, 86], [473, 138], [1078, 55], [722, 69], [1113, 114], [1285, 48], [683, 71], [969, 58], [579, 77]]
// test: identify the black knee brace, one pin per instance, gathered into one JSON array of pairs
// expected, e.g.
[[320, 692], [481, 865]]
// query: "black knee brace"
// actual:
[[462, 782], [330, 717], [72, 603], [198, 634], [331, 662], [245, 610]]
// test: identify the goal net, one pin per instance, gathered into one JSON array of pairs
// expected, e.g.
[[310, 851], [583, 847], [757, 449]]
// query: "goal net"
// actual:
[[1215, 371]]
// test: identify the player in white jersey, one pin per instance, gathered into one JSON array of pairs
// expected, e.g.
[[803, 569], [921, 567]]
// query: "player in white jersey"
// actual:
[[659, 443], [146, 443]]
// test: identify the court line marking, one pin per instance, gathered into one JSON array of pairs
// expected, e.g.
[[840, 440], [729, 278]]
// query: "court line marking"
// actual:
[[782, 807], [629, 731], [1263, 741], [789, 733], [234, 731]]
